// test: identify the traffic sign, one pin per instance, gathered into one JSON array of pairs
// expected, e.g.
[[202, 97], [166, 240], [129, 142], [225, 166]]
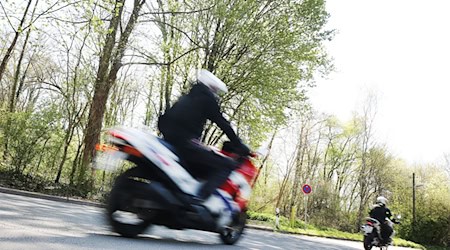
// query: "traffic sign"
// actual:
[[306, 189]]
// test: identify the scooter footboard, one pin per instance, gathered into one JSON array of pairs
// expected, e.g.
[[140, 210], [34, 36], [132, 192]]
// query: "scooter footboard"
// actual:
[[152, 194]]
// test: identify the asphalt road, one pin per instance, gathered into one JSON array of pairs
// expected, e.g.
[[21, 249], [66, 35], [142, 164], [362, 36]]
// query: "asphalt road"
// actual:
[[32, 223]]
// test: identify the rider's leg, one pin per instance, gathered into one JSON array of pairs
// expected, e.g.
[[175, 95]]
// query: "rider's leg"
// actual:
[[378, 227], [218, 175], [217, 168], [386, 232]]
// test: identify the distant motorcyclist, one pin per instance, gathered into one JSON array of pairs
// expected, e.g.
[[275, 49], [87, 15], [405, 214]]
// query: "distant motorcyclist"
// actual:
[[182, 126], [381, 212]]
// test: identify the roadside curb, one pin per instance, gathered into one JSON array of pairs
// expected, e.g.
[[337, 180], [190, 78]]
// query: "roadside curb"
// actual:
[[262, 228], [50, 197]]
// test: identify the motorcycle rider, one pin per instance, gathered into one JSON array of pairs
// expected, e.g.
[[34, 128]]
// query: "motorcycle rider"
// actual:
[[381, 212], [182, 126]]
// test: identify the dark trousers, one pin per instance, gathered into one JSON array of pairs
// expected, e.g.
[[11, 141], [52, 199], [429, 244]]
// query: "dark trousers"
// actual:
[[201, 161], [386, 231]]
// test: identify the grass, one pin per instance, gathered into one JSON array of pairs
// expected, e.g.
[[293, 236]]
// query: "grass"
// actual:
[[437, 248], [336, 234]]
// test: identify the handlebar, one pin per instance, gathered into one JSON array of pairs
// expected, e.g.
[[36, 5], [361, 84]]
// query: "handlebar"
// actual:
[[238, 149], [395, 221]]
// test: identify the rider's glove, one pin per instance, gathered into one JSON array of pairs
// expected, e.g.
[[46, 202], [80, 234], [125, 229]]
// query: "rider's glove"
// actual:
[[243, 149]]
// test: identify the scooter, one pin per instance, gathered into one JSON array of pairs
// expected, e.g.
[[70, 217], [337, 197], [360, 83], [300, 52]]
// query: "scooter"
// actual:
[[156, 189], [372, 233]]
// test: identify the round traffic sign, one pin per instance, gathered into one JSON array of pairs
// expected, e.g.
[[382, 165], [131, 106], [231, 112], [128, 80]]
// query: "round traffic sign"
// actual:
[[306, 189]]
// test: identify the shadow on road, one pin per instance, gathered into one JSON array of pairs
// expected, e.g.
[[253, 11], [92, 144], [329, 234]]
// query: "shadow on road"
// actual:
[[196, 242]]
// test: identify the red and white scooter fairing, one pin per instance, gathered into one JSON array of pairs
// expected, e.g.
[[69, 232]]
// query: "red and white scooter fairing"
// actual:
[[154, 188]]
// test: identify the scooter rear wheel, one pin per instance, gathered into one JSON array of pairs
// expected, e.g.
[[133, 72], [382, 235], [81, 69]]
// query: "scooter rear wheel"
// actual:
[[123, 217], [367, 242]]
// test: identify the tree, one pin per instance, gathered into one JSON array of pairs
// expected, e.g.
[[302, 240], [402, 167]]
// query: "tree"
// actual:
[[9, 51], [18, 32], [109, 66], [446, 165], [255, 47], [262, 54], [365, 169]]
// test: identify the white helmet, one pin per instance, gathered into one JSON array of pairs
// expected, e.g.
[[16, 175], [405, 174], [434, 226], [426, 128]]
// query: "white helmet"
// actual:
[[382, 200], [211, 81]]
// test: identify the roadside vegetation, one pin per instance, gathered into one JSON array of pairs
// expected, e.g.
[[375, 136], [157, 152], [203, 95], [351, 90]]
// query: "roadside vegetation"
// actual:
[[71, 69]]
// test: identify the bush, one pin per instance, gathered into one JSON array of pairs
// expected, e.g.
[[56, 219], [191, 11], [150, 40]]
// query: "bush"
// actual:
[[271, 218], [29, 136], [261, 216]]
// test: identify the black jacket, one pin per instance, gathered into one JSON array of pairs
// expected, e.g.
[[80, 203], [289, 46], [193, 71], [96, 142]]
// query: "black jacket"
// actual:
[[186, 119], [380, 212]]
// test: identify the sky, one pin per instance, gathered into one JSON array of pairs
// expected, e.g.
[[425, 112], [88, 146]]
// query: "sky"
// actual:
[[399, 50]]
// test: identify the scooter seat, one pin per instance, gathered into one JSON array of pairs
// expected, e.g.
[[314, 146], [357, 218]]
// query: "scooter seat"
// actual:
[[198, 175], [168, 145]]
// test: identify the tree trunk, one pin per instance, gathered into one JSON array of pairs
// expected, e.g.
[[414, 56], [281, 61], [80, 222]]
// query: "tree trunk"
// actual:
[[14, 42], [149, 106], [266, 157], [298, 168], [14, 92], [3, 68], [101, 91], [75, 163], [41, 156], [67, 140], [106, 77]]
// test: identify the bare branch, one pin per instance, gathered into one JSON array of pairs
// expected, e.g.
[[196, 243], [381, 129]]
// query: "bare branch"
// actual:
[[173, 27], [185, 53], [178, 12], [73, 22], [7, 17], [55, 88], [162, 63], [144, 63], [49, 11]]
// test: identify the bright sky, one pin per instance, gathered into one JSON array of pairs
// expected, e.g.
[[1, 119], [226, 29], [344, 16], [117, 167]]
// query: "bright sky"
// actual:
[[401, 50]]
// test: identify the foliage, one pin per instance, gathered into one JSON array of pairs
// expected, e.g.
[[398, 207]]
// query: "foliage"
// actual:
[[31, 137], [34, 183], [263, 55], [261, 216]]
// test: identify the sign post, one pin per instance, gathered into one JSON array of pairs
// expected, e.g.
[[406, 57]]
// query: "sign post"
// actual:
[[277, 219], [305, 198], [306, 190]]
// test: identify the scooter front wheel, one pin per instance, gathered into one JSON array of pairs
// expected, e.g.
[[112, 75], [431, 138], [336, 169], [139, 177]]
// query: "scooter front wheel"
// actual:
[[232, 233]]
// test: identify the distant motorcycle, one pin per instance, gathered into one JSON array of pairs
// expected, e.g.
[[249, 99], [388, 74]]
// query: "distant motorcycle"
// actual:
[[156, 189], [372, 237]]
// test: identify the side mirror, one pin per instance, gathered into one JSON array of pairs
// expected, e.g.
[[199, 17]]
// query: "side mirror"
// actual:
[[399, 217]]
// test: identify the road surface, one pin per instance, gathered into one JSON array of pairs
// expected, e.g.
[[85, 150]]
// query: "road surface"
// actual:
[[32, 223]]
